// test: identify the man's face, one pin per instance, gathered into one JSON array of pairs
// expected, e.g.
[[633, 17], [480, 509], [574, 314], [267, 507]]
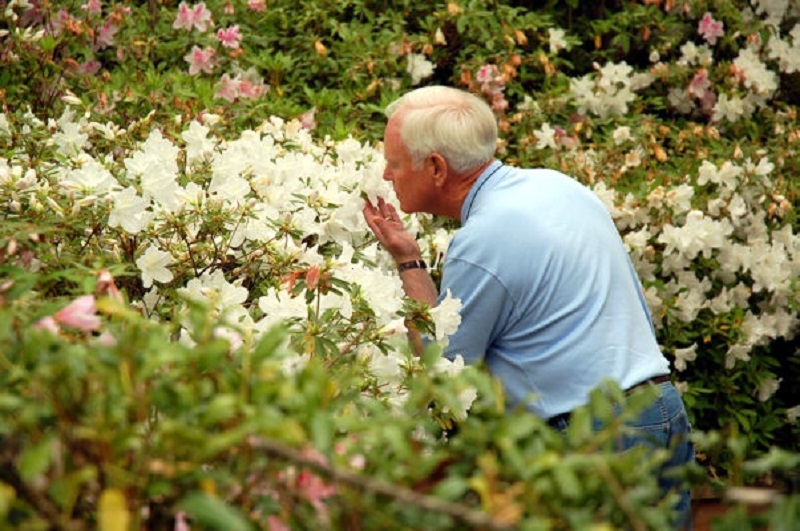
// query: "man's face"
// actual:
[[414, 187]]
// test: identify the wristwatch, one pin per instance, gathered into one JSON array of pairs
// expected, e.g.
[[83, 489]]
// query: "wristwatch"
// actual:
[[413, 264]]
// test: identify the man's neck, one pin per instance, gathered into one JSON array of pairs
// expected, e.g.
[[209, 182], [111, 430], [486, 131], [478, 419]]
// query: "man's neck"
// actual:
[[459, 185]]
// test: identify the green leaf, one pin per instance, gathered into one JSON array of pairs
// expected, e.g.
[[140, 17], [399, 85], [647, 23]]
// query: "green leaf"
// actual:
[[221, 407], [322, 430], [452, 488], [7, 495], [213, 513], [567, 482], [65, 490], [270, 342], [35, 460]]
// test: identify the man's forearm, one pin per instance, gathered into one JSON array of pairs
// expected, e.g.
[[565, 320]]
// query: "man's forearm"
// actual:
[[419, 286]]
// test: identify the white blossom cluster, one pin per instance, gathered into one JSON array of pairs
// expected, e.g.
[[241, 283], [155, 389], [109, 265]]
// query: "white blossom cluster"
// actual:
[[276, 192], [755, 267], [609, 91]]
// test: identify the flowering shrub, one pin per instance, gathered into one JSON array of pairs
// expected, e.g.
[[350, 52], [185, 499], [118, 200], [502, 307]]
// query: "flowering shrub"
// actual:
[[193, 302]]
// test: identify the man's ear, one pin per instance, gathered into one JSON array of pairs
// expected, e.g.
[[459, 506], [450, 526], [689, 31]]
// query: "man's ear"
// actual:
[[440, 169]]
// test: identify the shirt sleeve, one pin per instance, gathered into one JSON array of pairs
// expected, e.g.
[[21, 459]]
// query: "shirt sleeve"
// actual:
[[486, 309]]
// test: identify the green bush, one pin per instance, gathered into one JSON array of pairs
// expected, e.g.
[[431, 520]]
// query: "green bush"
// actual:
[[216, 220]]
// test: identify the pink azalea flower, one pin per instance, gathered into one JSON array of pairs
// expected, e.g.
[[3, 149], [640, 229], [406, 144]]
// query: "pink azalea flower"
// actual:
[[314, 489], [257, 5], [106, 286], [249, 89], [185, 18], [93, 7], [89, 67], [240, 87], [105, 36], [201, 60], [180, 522], [60, 22], [198, 17], [710, 29], [274, 523], [308, 122], [700, 88], [80, 313], [499, 102], [486, 73], [202, 17], [106, 339], [699, 84], [48, 323], [229, 89], [229, 37]]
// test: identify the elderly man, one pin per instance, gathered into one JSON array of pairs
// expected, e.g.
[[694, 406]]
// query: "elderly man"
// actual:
[[550, 300]]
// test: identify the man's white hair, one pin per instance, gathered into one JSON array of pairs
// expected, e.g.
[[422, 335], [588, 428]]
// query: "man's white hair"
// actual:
[[453, 123]]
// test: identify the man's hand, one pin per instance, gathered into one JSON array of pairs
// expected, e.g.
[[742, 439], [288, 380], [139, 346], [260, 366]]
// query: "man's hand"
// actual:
[[384, 221]]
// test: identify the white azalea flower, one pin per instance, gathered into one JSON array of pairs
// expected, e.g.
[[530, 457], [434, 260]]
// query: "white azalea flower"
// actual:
[[90, 177], [212, 288], [446, 316], [154, 266], [738, 352], [682, 355], [418, 67], [450, 367], [556, 40], [279, 306], [465, 400], [757, 77], [70, 140], [545, 137], [198, 145], [768, 387], [155, 165], [5, 127], [621, 134], [130, 211]]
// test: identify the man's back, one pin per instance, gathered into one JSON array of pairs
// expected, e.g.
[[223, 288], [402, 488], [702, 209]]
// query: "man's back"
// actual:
[[548, 291]]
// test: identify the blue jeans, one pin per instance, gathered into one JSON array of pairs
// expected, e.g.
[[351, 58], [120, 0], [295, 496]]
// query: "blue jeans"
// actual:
[[662, 425]]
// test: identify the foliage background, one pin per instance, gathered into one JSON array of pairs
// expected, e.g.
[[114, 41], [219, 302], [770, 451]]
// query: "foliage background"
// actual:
[[81, 409]]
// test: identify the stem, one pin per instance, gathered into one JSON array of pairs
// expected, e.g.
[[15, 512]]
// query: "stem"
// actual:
[[95, 230], [399, 493], [189, 250], [43, 505], [619, 495]]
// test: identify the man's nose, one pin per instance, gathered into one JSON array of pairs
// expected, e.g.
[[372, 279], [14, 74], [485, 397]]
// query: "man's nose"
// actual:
[[387, 175]]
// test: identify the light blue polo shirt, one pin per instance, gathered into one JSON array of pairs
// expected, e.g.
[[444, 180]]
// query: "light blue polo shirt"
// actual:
[[549, 296]]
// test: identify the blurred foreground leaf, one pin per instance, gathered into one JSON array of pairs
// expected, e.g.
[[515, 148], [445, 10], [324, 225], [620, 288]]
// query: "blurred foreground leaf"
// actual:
[[213, 512]]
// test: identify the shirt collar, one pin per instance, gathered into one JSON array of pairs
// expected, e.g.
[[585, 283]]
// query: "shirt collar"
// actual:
[[483, 178]]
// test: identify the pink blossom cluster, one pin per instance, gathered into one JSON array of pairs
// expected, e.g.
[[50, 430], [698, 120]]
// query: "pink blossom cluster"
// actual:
[[700, 89], [258, 6], [710, 29], [239, 86], [103, 34], [197, 16], [81, 313], [93, 7], [308, 121], [492, 86], [201, 60], [229, 37]]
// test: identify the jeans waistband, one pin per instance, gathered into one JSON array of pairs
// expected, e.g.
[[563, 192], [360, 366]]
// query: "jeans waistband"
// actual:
[[557, 420]]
